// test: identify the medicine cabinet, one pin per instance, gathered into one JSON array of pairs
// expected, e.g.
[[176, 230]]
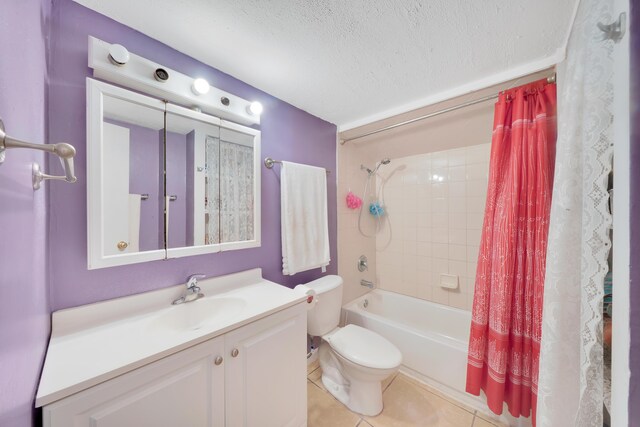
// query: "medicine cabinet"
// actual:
[[165, 181]]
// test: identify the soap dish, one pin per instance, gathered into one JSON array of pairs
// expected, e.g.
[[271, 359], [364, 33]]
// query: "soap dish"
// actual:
[[448, 281]]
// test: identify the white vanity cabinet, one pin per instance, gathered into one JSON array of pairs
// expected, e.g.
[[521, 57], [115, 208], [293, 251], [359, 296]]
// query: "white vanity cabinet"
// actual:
[[265, 383], [254, 375]]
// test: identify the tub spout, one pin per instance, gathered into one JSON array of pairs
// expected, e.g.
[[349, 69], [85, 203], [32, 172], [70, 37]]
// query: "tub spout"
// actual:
[[367, 283]]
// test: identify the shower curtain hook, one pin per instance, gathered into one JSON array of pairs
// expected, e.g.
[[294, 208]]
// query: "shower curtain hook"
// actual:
[[616, 30]]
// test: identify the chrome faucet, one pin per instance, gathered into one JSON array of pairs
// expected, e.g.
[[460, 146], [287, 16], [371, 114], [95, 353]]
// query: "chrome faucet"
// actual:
[[367, 283], [193, 290]]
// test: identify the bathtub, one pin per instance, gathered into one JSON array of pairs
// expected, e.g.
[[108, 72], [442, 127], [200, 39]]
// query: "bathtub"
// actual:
[[432, 338]]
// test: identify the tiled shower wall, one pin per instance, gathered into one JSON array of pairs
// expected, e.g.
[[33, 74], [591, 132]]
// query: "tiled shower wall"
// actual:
[[434, 206], [352, 244]]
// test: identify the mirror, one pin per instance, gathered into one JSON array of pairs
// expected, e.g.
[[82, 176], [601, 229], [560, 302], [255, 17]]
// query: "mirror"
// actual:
[[165, 181]]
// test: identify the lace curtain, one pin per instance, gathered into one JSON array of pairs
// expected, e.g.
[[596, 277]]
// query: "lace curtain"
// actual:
[[236, 191], [212, 189], [570, 386], [229, 191]]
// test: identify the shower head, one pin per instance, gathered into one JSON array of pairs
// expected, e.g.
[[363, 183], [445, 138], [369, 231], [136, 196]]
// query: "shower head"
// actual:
[[384, 161]]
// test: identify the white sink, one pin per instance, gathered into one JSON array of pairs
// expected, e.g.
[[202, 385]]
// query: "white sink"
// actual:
[[194, 315]]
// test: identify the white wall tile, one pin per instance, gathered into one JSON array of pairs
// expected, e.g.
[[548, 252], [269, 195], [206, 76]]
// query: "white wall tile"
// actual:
[[409, 219], [410, 233], [458, 253], [440, 220], [424, 250], [410, 177], [472, 265], [458, 268], [477, 171], [424, 205], [457, 189], [410, 247], [440, 235], [424, 234], [439, 159], [458, 220], [439, 205], [425, 292], [440, 250], [457, 173], [439, 190], [458, 205], [474, 220], [465, 284], [438, 267], [458, 300], [424, 219], [456, 157], [477, 187], [440, 295], [472, 253], [435, 208], [410, 204], [439, 174], [424, 263], [424, 189], [473, 236], [410, 191], [457, 236], [476, 204]]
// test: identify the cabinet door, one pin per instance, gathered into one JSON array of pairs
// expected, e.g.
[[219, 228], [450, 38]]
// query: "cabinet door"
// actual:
[[266, 371], [184, 389]]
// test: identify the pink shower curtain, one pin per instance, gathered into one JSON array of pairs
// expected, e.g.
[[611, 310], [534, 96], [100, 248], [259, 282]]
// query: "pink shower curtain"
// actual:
[[504, 346]]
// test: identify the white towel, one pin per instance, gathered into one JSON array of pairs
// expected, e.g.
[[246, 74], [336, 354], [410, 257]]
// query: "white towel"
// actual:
[[304, 219], [134, 223]]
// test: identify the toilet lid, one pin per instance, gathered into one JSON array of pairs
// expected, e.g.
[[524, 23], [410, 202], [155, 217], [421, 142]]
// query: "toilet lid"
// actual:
[[364, 347]]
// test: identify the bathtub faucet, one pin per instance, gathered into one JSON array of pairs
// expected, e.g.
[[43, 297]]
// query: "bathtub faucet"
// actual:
[[367, 283]]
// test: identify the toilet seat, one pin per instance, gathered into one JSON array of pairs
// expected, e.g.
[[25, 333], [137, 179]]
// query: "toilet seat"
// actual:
[[364, 347]]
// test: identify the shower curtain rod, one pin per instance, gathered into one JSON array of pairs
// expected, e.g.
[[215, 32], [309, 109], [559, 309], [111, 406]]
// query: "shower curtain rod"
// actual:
[[550, 79]]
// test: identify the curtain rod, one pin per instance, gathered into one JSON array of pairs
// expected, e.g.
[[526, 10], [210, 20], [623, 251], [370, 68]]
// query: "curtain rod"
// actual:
[[550, 79]]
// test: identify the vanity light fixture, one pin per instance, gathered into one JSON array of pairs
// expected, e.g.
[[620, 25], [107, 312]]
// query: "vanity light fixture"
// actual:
[[255, 108], [118, 54], [200, 86], [161, 75], [116, 64]]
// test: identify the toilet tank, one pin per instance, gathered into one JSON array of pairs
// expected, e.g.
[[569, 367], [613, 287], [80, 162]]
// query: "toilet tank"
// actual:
[[325, 314]]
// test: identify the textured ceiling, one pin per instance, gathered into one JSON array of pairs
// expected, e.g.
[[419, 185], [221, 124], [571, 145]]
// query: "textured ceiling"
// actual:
[[348, 62]]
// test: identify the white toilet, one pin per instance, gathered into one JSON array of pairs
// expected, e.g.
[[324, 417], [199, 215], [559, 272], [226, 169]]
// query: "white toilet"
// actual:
[[354, 360]]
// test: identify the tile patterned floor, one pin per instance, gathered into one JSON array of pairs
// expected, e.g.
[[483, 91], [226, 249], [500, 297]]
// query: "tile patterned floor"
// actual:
[[407, 402]]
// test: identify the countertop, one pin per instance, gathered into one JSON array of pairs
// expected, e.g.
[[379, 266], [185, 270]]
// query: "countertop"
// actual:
[[96, 342]]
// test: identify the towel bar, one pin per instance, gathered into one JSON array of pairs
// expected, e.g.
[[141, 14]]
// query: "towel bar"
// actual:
[[64, 151], [269, 162]]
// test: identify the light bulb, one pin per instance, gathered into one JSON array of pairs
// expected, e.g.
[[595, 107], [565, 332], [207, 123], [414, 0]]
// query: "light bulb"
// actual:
[[118, 54], [255, 108], [200, 87]]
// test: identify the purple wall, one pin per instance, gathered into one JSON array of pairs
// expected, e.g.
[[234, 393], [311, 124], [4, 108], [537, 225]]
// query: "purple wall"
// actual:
[[24, 315], [287, 133], [634, 356]]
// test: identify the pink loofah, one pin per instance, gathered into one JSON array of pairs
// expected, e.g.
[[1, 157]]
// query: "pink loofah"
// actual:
[[353, 201]]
